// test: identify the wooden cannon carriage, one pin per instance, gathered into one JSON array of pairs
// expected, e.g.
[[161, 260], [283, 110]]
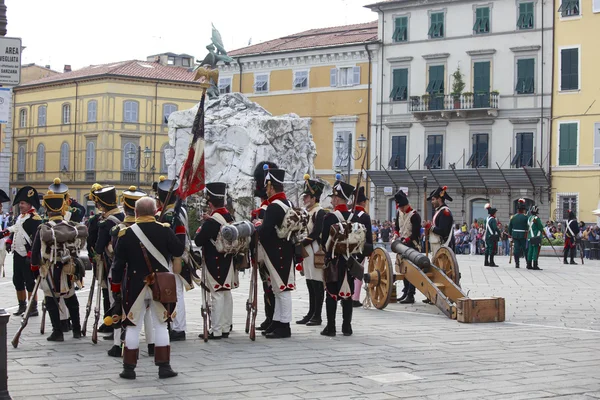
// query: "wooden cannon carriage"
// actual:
[[438, 280]]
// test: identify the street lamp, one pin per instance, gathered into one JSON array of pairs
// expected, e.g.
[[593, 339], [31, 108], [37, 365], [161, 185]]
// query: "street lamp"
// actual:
[[349, 155], [135, 157]]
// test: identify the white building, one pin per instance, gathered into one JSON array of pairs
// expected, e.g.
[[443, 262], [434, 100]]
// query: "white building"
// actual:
[[488, 143]]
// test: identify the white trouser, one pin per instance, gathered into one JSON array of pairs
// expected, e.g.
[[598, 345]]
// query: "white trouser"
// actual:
[[472, 246], [179, 323], [62, 309], [283, 307], [149, 328], [161, 333], [221, 316]]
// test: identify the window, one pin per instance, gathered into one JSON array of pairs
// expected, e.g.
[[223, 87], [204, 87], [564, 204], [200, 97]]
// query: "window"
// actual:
[[92, 111], [224, 85], [569, 8], [66, 114], [90, 156], [64, 156], [436, 25], [569, 69], [400, 30], [42, 116], [596, 6], [171, 61], [524, 155], [567, 143], [481, 84], [130, 113], [21, 159], [40, 160], [400, 85], [185, 62], [567, 203], [398, 160], [167, 110], [597, 143], [525, 76], [300, 80], [525, 20], [479, 156], [434, 151], [261, 83], [482, 20], [348, 76], [341, 158], [22, 118], [435, 87], [129, 162], [164, 168]]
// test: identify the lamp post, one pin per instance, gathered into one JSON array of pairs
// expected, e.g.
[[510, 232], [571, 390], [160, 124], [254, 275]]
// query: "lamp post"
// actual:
[[350, 155], [136, 159]]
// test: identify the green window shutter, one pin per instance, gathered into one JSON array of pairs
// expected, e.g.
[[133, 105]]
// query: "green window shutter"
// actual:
[[436, 79], [567, 154], [436, 29], [525, 76], [400, 29], [573, 144], [574, 78], [400, 85], [525, 20], [569, 71]]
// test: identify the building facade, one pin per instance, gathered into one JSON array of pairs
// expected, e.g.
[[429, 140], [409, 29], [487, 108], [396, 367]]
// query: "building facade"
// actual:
[[576, 110], [102, 123], [488, 141], [322, 74]]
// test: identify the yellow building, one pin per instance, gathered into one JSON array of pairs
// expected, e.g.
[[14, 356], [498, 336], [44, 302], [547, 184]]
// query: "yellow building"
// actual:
[[323, 74], [576, 110], [88, 125], [33, 72]]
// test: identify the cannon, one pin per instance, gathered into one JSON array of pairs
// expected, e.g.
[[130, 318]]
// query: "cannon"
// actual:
[[438, 280]]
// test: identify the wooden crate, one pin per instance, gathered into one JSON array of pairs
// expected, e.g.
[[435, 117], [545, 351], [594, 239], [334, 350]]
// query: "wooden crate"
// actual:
[[486, 309]]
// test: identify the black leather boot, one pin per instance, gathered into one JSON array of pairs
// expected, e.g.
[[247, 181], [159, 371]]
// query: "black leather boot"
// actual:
[[129, 362], [319, 292], [151, 349], [330, 307], [114, 351], [33, 311], [56, 336], [311, 302], [409, 299], [529, 265], [22, 308], [535, 266], [282, 331], [162, 359], [271, 328], [492, 263], [347, 317]]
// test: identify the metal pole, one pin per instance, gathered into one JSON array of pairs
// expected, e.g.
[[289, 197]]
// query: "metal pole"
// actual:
[[4, 316], [139, 159], [349, 157]]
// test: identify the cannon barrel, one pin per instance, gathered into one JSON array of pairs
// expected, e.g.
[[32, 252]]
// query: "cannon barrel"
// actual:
[[238, 230], [412, 255]]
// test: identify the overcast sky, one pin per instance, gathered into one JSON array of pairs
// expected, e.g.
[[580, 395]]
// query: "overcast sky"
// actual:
[[84, 32]]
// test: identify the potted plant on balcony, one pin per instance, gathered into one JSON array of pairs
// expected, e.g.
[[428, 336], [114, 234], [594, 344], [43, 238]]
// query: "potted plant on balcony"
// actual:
[[458, 85], [495, 92]]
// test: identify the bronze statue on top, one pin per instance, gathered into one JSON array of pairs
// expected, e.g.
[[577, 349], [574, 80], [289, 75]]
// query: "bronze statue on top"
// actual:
[[216, 53]]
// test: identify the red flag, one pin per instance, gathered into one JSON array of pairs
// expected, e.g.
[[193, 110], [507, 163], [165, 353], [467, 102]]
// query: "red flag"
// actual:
[[191, 177]]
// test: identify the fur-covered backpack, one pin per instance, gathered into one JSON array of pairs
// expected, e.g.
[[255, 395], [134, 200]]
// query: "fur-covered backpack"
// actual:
[[346, 237], [61, 241], [240, 245], [294, 222]]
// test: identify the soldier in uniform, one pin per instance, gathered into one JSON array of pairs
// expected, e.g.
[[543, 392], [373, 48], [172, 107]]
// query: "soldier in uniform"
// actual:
[[221, 273], [408, 226], [365, 219], [180, 226], [439, 230], [492, 234], [278, 254], [106, 199], [536, 229], [517, 231], [314, 276], [3, 199], [60, 274], [258, 215], [21, 240], [339, 282], [571, 231], [130, 271]]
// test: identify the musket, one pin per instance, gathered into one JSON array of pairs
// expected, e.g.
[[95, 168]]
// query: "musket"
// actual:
[[511, 252], [25, 318], [205, 309], [88, 307], [99, 272], [425, 214], [43, 323], [251, 303]]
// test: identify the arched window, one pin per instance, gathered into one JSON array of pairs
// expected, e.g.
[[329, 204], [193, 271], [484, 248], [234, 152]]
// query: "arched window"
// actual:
[[130, 111], [64, 156], [40, 161], [66, 114], [168, 108], [23, 118], [21, 159], [92, 111], [90, 156], [164, 168], [478, 211], [129, 161], [42, 116]]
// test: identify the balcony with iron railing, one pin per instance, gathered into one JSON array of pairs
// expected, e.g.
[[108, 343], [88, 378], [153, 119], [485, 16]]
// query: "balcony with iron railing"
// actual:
[[448, 105]]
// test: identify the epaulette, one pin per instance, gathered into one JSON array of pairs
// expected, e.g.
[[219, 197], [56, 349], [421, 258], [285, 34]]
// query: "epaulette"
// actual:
[[446, 212], [114, 231], [122, 232], [36, 217], [165, 224]]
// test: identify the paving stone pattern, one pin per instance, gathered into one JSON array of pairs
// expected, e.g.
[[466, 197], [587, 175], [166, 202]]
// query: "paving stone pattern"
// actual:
[[549, 347]]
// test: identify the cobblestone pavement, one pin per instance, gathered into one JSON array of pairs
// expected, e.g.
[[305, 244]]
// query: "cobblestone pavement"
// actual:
[[549, 347]]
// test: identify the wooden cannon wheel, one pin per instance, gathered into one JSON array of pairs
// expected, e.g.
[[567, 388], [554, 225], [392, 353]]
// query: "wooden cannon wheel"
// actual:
[[382, 278], [445, 259]]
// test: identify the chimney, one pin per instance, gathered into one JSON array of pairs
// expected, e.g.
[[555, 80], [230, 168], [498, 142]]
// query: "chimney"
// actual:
[[67, 68]]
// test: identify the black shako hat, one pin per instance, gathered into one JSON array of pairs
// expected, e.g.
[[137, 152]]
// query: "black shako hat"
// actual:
[[341, 189], [216, 190], [440, 192], [401, 198], [29, 195], [131, 195], [106, 196], [162, 188], [491, 211], [274, 175], [55, 202], [521, 204]]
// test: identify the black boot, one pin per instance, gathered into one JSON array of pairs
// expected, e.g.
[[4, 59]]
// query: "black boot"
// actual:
[[535, 266], [56, 336], [529, 264], [311, 302], [177, 336], [573, 261], [492, 263], [282, 331], [129, 362], [330, 307], [151, 349], [517, 263], [486, 262], [162, 359], [269, 300], [409, 299], [114, 351], [33, 311], [22, 307], [72, 304], [319, 292], [347, 317], [271, 328]]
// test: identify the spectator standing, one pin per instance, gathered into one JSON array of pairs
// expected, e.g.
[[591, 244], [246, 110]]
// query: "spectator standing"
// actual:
[[473, 238]]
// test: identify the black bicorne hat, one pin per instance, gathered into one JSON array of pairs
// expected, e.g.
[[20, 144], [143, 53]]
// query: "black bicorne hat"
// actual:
[[162, 189], [401, 198], [312, 187], [106, 196], [216, 191], [360, 193], [3, 196], [259, 178], [440, 192], [29, 195], [131, 195]]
